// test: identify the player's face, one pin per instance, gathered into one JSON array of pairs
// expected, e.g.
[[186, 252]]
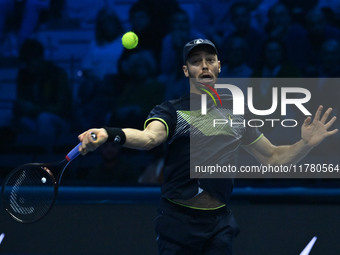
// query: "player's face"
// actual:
[[202, 67]]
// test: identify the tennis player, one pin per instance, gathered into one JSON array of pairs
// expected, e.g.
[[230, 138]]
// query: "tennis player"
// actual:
[[193, 216]]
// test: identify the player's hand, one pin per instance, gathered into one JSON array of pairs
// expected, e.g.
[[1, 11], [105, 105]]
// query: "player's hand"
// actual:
[[314, 132], [88, 143]]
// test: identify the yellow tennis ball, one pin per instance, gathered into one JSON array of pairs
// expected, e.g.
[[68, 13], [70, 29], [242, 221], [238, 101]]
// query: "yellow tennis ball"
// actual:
[[130, 40]]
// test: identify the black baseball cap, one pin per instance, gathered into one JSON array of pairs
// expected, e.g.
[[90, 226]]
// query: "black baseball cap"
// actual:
[[195, 43]]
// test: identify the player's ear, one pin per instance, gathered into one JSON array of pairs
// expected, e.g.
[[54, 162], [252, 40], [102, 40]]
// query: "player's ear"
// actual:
[[185, 70], [219, 66]]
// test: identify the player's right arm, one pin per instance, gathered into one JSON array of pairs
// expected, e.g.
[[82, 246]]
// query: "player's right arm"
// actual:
[[153, 135]]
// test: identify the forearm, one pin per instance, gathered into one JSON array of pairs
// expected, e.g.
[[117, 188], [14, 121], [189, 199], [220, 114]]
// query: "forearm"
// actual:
[[140, 140], [289, 154], [267, 153], [153, 135]]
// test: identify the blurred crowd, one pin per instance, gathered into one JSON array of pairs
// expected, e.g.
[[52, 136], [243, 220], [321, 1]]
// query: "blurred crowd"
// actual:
[[118, 87]]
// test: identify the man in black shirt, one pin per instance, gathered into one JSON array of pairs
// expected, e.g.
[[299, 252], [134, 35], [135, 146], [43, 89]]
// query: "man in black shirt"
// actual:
[[193, 216]]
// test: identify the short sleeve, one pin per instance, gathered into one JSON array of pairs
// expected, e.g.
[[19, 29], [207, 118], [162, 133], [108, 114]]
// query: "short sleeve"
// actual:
[[166, 114], [251, 136]]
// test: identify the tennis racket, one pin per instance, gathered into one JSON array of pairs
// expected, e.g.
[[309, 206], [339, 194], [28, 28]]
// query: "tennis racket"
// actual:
[[30, 190]]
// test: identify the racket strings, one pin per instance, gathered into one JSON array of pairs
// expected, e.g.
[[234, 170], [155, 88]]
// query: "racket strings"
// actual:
[[29, 193], [13, 199]]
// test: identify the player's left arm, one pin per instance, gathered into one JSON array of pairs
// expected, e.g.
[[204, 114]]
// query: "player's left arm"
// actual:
[[312, 134]]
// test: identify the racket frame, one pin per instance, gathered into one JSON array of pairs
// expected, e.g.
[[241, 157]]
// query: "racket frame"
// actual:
[[50, 168]]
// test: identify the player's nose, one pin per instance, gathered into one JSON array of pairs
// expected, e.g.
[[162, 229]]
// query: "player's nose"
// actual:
[[204, 65]]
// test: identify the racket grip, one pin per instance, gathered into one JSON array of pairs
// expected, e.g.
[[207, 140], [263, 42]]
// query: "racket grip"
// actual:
[[73, 153]]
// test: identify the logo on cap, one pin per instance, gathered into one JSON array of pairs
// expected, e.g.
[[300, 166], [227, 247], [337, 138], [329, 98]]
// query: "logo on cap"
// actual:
[[198, 41]]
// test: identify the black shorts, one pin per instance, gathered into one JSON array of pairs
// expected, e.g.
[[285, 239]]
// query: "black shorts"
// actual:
[[182, 230]]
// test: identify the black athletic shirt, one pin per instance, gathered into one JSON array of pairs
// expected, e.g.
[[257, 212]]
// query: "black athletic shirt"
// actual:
[[177, 115]]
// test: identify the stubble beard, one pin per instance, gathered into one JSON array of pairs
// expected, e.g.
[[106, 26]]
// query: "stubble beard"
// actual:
[[196, 84]]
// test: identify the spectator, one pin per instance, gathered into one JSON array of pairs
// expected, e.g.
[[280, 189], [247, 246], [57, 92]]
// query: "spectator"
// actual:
[[171, 76], [123, 96], [153, 172], [332, 8], [6, 8], [135, 94], [141, 24], [100, 63], [160, 13], [142, 20], [258, 12], [318, 32], [299, 8], [240, 18], [180, 33], [43, 106], [213, 20], [275, 62], [328, 64], [55, 15], [174, 85], [107, 48], [235, 66], [293, 36], [22, 18], [113, 169]]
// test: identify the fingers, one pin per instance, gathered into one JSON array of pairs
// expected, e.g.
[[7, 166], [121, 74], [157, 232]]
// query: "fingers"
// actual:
[[318, 114], [326, 115], [330, 123], [324, 118], [83, 147], [87, 142], [307, 121], [81, 136], [91, 140], [333, 132]]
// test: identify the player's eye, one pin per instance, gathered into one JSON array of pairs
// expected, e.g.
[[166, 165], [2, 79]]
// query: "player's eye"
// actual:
[[211, 60], [195, 61]]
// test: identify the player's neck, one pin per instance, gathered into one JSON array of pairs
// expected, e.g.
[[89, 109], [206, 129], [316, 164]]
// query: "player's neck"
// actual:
[[194, 89]]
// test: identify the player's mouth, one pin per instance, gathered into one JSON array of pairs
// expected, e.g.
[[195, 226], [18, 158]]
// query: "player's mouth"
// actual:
[[206, 78]]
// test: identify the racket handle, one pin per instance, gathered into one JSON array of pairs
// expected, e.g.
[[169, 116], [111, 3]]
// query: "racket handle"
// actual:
[[75, 151]]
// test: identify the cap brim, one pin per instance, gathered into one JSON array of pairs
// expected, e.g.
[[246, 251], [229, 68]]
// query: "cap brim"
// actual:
[[186, 56]]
